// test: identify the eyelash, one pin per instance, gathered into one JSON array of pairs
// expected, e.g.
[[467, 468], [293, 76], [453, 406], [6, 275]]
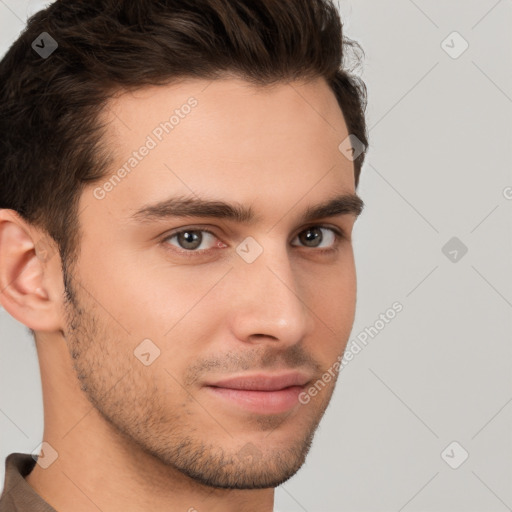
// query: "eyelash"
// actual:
[[338, 234]]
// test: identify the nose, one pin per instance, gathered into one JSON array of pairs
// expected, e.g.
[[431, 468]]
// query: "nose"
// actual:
[[268, 303]]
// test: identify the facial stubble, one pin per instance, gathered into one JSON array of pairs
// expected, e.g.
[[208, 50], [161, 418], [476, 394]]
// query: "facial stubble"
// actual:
[[132, 402]]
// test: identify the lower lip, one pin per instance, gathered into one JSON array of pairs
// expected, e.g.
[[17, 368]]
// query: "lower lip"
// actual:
[[262, 402]]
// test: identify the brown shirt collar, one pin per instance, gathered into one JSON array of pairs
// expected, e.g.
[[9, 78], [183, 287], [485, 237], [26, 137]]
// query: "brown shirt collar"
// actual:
[[18, 495]]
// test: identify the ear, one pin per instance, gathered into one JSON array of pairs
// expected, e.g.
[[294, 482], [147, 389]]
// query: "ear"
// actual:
[[31, 287]]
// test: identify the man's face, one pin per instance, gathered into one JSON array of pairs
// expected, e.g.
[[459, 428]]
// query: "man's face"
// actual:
[[156, 316]]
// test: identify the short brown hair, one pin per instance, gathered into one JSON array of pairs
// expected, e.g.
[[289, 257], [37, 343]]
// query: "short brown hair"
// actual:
[[50, 133]]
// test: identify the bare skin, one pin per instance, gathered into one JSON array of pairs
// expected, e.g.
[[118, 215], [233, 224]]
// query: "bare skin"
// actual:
[[136, 437]]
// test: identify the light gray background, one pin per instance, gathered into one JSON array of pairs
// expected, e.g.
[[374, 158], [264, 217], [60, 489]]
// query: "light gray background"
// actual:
[[439, 163]]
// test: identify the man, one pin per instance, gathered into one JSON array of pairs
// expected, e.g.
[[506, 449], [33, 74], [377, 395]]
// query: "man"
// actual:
[[177, 202]]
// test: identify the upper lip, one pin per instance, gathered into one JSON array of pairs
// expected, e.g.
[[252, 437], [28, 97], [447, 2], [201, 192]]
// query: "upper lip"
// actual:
[[263, 381]]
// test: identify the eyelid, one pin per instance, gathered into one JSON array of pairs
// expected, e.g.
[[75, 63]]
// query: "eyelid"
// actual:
[[339, 231]]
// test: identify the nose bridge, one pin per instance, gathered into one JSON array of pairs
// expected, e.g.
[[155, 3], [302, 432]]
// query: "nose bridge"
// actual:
[[268, 301]]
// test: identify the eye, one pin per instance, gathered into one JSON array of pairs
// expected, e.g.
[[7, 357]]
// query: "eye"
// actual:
[[191, 239], [312, 237]]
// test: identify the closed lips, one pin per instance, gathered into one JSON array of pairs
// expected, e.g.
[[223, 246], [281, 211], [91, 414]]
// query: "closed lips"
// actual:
[[263, 382]]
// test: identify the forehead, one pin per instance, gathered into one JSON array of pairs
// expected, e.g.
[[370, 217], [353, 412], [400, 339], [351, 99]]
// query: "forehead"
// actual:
[[225, 139]]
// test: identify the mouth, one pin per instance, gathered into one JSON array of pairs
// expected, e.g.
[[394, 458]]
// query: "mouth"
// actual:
[[262, 394]]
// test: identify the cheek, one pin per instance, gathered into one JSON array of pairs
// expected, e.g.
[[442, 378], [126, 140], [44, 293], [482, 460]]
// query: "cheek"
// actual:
[[332, 300], [149, 297], [332, 294]]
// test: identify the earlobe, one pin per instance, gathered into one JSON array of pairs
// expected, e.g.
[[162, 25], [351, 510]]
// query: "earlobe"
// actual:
[[29, 274]]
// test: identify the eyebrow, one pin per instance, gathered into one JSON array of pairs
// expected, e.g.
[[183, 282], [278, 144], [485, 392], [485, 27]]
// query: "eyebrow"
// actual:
[[344, 204]]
